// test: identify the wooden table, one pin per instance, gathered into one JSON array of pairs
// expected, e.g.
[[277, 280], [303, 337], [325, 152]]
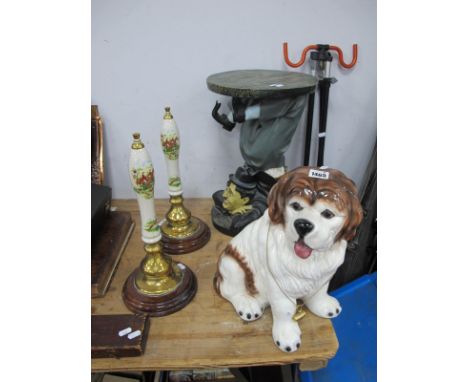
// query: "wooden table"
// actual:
[[207, 333]]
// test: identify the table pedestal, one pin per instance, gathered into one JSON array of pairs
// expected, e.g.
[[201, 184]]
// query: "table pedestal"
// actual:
[[269, 105]]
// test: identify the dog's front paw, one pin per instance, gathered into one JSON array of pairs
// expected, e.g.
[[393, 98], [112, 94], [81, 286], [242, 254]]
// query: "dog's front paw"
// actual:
[[324, 306], [247, 307], [287, 335]]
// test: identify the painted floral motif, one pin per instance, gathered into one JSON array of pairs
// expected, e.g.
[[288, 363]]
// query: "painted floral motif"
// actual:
[[143, 181], [174, 181], [151, 226], [170, 146]]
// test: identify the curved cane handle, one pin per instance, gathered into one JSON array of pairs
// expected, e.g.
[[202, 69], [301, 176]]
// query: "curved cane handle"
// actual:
[[303, 56], [314, 47], [340, 56]]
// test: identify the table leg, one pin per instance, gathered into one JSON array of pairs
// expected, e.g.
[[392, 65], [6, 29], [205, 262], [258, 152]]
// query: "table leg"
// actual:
[[242, 374], [148, 376], [283, 373]]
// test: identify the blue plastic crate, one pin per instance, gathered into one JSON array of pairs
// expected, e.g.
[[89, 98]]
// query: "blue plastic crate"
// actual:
[[356, 329]]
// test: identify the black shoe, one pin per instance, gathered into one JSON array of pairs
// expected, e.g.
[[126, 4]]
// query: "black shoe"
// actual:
[[232, 224], [265, 182], [222, 118]]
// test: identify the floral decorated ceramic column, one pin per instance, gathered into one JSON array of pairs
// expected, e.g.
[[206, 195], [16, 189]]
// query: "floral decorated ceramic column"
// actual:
[[142, 178], [181, 231], [170, 143]]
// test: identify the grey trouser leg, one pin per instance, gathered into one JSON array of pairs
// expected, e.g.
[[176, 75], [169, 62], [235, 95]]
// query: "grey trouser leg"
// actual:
[[264, 141]]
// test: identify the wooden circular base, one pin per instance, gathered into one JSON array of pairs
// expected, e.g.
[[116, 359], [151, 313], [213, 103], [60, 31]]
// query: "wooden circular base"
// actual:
[[158, 306], [187, 244]]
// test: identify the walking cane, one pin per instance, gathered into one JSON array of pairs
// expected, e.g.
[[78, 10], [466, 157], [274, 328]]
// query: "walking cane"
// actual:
[[321, 59]]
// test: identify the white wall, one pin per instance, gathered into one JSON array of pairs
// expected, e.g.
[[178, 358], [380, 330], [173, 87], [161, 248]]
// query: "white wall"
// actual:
[[147, 54]]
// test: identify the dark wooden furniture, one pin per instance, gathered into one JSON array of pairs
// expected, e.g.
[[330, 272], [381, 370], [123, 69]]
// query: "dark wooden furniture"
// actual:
[[105, 339], [107, 247], [101, 197]]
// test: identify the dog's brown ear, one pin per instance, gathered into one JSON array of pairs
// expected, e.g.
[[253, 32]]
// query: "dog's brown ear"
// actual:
[[276, 201], [353, 220]]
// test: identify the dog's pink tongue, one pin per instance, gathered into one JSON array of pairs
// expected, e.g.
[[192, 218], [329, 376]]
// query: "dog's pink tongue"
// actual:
[[302, 250]]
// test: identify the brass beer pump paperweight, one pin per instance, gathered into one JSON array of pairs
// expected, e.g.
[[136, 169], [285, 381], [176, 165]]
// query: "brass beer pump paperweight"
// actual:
[[159, 286], [181, 232]]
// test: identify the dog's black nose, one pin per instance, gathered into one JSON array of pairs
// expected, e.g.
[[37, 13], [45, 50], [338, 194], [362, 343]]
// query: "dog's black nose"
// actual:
[[303, 227]]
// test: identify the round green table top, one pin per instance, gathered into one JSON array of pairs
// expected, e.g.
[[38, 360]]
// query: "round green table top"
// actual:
[[258, 83]]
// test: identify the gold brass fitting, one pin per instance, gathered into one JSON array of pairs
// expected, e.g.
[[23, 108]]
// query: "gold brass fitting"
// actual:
[[179, 223], [137, 143], [157, 274], [167, 113]]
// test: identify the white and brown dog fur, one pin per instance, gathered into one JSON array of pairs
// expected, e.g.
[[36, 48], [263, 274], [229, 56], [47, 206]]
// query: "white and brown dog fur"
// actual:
[[291, 252]]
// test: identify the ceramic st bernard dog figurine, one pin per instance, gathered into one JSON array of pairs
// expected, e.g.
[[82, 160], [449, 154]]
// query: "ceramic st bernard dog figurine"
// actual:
[[292, 251]]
